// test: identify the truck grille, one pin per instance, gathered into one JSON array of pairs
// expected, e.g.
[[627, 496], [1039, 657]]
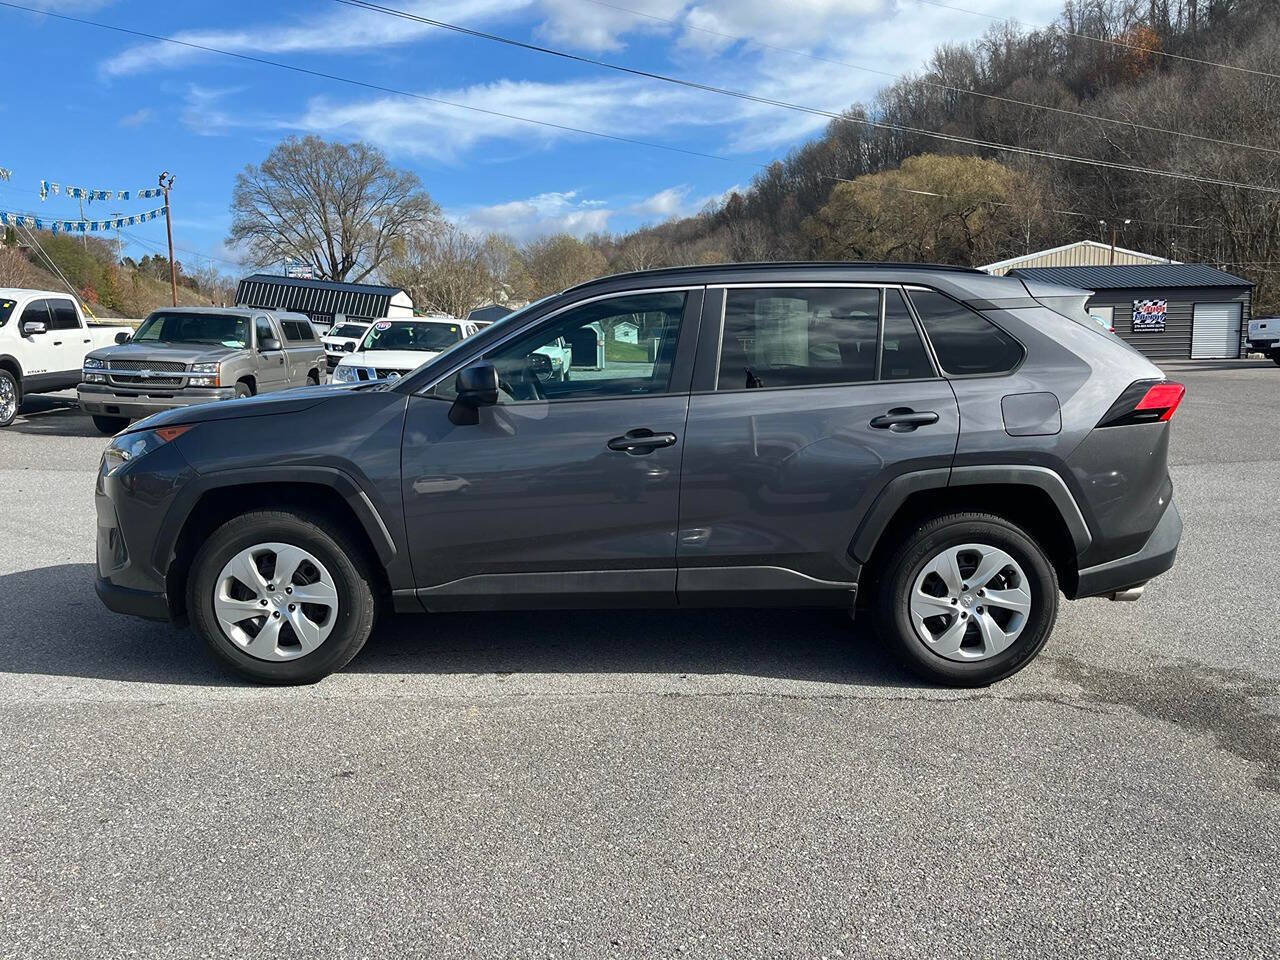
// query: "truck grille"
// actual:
[[142, 373]]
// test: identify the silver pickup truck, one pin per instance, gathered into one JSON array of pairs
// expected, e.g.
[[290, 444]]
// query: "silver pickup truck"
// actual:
[[185, 355]]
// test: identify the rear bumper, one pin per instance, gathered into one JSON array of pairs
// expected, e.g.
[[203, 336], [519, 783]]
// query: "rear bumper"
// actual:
[[1155, 557], [109, 401]]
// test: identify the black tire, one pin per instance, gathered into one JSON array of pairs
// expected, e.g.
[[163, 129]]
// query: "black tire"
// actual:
[[243, 389], [313, 379], [328, 543], [1275, 358], [9, 384], [890, 607], [110, 426]]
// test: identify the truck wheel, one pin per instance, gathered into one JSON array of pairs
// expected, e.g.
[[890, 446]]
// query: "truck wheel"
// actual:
[[313, 379], [967, 599], [243, 389], [10, 397], [282, 597], [110, 425], [1275, 358]]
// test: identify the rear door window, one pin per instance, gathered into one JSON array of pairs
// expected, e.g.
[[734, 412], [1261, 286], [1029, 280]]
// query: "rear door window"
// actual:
[[902, 353], [64, 316], [967, 344]]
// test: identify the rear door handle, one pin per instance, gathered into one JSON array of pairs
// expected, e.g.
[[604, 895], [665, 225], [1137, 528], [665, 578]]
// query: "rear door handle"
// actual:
[[904, 419], [641, 440]]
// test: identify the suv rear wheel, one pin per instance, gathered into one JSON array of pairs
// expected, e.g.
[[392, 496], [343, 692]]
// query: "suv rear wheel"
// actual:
[[967, 599], [282, 597]]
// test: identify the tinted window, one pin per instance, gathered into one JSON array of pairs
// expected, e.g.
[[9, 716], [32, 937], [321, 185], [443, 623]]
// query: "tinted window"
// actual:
[[424, 335], [262, 327], [964, 342], [204, 328], [296, 330], [37, 311], [787, 336], [622, 346], [6, 310], [903, 356], [348, 330], [64, 315]]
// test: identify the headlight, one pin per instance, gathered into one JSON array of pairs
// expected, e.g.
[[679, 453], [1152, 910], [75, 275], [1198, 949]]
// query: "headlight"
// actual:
[[344, 374], [127, 447], [93, 363], [210, 380]]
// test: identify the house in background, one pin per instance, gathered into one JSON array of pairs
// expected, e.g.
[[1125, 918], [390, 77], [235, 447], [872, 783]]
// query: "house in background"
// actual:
[[1084, 253], [324, 301]]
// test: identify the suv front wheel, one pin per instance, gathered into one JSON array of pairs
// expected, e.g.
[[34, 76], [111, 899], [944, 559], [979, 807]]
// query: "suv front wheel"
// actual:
[[282, 597], [967, 599]]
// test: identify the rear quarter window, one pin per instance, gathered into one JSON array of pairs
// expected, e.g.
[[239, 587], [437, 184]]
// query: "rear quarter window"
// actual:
[[967, 344]]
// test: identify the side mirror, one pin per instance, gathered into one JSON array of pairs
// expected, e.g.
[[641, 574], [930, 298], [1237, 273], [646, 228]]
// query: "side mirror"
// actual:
[[349, 347], [477, 386], [122, 337], [271, 343], [32, 327]]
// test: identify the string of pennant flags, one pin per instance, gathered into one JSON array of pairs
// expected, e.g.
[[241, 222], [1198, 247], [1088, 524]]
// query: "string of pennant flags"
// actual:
[[48, 187], [77, 226]]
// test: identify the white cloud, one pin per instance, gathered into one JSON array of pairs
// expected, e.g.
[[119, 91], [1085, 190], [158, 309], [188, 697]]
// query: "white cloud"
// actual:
[[536, 216], [344, 29], [600, 26], [137, 118], [664, 204]]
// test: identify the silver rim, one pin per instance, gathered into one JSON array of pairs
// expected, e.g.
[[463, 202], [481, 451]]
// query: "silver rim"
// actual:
[[970, 602], [8, 399], [275, 601]]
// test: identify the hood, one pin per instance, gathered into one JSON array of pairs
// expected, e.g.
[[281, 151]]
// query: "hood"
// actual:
[[389, 359], [282, 401], [169, 352]]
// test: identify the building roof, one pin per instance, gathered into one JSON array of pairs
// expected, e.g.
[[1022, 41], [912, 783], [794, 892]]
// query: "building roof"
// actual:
[[340, 286], [324, 298], [1134, 276], [1082, 253]]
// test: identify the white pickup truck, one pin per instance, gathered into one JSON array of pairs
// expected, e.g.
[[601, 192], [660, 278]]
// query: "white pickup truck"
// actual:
[[43, 340], [1264, 337]]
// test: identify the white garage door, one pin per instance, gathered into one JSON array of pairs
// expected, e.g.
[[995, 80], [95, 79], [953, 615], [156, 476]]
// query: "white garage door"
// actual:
[[1215, 330]]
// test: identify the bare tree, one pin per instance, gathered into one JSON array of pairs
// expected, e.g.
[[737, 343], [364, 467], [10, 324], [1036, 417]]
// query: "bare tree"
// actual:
[[335, 206], [444, 269], [554, 263], [15, 268]]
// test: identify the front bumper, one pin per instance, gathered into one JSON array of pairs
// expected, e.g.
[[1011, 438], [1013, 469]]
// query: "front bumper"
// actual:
[[109, 401], [133, 603], [1155, 557]]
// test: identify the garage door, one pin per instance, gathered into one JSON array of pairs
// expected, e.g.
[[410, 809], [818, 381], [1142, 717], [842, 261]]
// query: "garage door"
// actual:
[[1215, 330]]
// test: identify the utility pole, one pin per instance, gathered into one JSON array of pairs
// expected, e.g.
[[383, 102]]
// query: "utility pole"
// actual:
[[1115, 229], [166, 184]]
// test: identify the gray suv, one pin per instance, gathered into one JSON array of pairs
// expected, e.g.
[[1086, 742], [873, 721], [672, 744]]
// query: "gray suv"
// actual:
[[185, 355], [944, 451]]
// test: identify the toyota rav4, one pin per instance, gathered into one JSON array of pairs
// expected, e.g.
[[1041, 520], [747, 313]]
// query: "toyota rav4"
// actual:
[[944, 451]]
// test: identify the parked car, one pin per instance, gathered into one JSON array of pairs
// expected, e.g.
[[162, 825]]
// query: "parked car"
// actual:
[[181, 356], [1264, 336], [559, 358], [393, 348], [339, 335], [43, 341], [942, 449]]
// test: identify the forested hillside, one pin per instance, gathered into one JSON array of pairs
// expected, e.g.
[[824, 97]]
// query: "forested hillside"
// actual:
[[916, 197]]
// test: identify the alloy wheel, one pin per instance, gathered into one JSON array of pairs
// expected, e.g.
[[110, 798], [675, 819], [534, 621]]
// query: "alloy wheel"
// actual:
[[8, 400], [970, 602], [275, 601]]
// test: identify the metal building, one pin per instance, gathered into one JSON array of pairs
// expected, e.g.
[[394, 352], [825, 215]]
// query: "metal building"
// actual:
[[1168, 311], [1084, 253], [323, 300]]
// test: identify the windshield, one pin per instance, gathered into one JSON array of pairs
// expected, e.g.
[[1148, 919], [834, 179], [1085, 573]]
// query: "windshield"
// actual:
[[348, 330], [6, 309], [412, 335], [207, 328]]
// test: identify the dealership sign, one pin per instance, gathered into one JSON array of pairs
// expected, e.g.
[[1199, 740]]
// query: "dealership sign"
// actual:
[[1149, 315]]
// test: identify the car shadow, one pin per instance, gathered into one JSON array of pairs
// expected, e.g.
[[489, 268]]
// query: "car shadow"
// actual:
[[54, 625], [52, 415]]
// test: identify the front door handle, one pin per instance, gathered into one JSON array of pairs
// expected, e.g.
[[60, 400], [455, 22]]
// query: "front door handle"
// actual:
[[641, 440], [904, 419]]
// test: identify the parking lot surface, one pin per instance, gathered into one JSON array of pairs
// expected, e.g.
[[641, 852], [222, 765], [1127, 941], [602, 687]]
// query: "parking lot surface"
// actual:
[[716, 783]]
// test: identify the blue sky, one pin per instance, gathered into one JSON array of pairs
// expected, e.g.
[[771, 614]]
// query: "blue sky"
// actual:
[[108, 111]]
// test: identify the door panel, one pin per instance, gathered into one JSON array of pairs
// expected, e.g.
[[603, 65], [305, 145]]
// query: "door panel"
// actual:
[[273, 371], [783, 477], [534, 487], [40, 356]]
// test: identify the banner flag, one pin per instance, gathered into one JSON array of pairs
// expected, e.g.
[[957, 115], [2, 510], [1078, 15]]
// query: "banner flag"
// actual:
[[78, 226]]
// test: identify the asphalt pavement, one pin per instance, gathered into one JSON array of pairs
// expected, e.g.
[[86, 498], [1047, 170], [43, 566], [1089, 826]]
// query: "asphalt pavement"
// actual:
[[709, 784]]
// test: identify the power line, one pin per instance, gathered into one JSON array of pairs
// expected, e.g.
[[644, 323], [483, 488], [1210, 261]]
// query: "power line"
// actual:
[[950, 88], [1113, 43], [813, 111]]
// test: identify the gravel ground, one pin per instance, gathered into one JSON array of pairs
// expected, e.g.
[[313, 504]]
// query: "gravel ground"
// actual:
[[707, 784]]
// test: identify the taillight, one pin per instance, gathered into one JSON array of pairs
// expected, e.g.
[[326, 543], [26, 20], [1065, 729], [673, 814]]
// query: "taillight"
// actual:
[[1147, 401]]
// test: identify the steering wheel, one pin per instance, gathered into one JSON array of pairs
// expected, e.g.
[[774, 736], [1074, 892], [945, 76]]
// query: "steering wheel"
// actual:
[[522, 385]]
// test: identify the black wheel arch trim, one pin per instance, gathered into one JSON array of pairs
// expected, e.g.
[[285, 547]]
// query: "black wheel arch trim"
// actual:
[[8, 359], [895, 493], [333, 478]]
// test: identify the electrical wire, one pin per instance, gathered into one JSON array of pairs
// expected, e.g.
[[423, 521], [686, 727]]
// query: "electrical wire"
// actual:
[[813, 111], [950, 88]]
